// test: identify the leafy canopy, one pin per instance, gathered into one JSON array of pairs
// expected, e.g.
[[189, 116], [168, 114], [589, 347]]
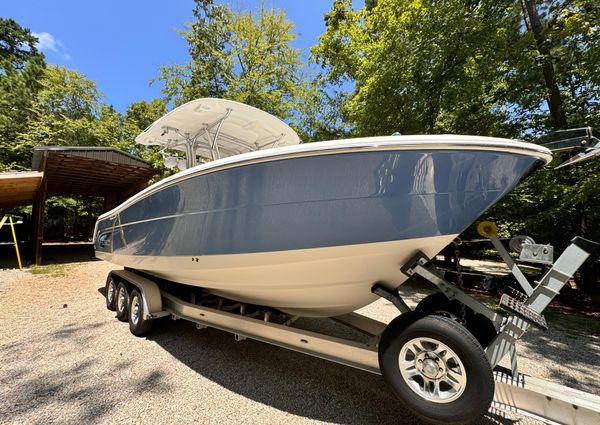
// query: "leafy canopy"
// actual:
[[64, 112], [245, 56], [21, 68], [423, 66], [476, 67], [472, 67]]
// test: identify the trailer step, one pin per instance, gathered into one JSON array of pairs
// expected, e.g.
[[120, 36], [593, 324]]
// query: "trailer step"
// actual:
[[521, 310], [515, 293]]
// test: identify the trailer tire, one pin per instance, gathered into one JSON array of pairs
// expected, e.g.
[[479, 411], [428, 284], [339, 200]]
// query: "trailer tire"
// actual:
[[480, 326], [437, 369], [122, 302], [111, 293], [138, 324]]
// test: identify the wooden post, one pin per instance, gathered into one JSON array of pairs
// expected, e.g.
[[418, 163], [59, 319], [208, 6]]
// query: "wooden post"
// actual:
[[38, 215], [111, 200]]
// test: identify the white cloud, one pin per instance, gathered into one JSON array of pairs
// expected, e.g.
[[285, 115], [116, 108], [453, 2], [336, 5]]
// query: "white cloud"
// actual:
[[46, 41]]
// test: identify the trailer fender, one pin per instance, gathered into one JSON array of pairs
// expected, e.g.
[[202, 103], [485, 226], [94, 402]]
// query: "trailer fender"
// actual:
[[149, 289]]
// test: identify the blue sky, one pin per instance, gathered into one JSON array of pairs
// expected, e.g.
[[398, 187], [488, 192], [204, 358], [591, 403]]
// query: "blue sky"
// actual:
[[120, 44]]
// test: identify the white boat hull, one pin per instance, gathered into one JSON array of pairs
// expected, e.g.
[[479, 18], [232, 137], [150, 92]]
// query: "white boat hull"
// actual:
[[308, 282]]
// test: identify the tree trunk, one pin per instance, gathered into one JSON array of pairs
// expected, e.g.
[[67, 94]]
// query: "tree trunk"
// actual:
[[588, 270], [534, 25]]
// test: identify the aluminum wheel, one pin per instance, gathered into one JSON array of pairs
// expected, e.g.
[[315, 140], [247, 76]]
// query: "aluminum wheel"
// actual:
[[134, 316], [110, 292], [122, 300], [139, 323], [432, 370]]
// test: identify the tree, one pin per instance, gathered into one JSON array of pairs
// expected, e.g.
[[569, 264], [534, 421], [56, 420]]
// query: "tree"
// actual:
[[21, 69], [210, 69], [554, 205], [17, 44], [109, 128], [573, 33], [64, 112], [423, 67], [534, 25], [465, 67], [505, 68], [59, 106], [245, 56], [138, 117], [322, 115]]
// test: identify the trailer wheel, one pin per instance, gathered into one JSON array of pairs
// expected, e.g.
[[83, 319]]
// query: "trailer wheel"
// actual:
[[122, 302], [480, 326], [138, 324], [111, 293], [437, 369]]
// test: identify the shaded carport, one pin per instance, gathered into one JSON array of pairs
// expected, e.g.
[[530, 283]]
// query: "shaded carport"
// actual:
[[19, 188], [73, 170]]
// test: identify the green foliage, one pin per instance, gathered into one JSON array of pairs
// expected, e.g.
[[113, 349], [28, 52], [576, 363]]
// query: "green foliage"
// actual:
[[245, 56], [460, 66], [64, 112], [67, 110], [574, 32], [210, 68], [138, 116], [17, 44], [555, 205], [21, 69], [423, 67], [322, 116], [71, 217], [142, 114]]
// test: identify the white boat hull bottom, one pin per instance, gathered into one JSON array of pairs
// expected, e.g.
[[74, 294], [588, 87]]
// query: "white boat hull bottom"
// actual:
[[319, 282]]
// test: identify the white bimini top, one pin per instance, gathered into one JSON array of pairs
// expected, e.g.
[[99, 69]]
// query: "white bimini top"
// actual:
[[217, 128]]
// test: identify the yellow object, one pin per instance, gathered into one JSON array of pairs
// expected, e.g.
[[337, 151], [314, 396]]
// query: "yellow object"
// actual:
[[12, 226], [487, 229]]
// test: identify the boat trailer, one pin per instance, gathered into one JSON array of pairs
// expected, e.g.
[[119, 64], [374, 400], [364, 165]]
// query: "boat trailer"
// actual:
[[140, 299]]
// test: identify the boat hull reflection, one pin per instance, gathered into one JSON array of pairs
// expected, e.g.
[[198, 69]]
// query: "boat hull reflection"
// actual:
[[311, 234]]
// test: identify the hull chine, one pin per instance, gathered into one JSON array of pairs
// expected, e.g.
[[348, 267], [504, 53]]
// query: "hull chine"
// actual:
[[311, 282]]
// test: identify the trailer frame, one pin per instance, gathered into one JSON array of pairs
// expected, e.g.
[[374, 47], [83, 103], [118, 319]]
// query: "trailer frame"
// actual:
[[513, 393]]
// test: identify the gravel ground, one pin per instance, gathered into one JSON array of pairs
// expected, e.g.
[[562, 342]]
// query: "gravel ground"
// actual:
[[66, 359]]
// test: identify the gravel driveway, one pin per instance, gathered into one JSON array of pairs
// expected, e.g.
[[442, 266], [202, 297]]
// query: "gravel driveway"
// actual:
[[66, 359]]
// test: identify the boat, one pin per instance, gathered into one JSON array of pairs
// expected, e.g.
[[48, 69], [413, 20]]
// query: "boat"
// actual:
[[306, 228]]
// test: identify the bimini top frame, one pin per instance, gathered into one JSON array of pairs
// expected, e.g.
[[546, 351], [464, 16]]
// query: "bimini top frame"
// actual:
[[217, 128]]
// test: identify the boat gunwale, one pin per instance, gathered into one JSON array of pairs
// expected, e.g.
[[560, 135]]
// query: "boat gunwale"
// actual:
[[368, 144]]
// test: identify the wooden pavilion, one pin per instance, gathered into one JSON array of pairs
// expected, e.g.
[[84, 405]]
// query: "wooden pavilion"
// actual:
[[73, 170]]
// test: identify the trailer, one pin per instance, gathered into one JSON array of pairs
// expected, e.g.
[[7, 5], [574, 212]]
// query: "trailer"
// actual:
[[441, 359]]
